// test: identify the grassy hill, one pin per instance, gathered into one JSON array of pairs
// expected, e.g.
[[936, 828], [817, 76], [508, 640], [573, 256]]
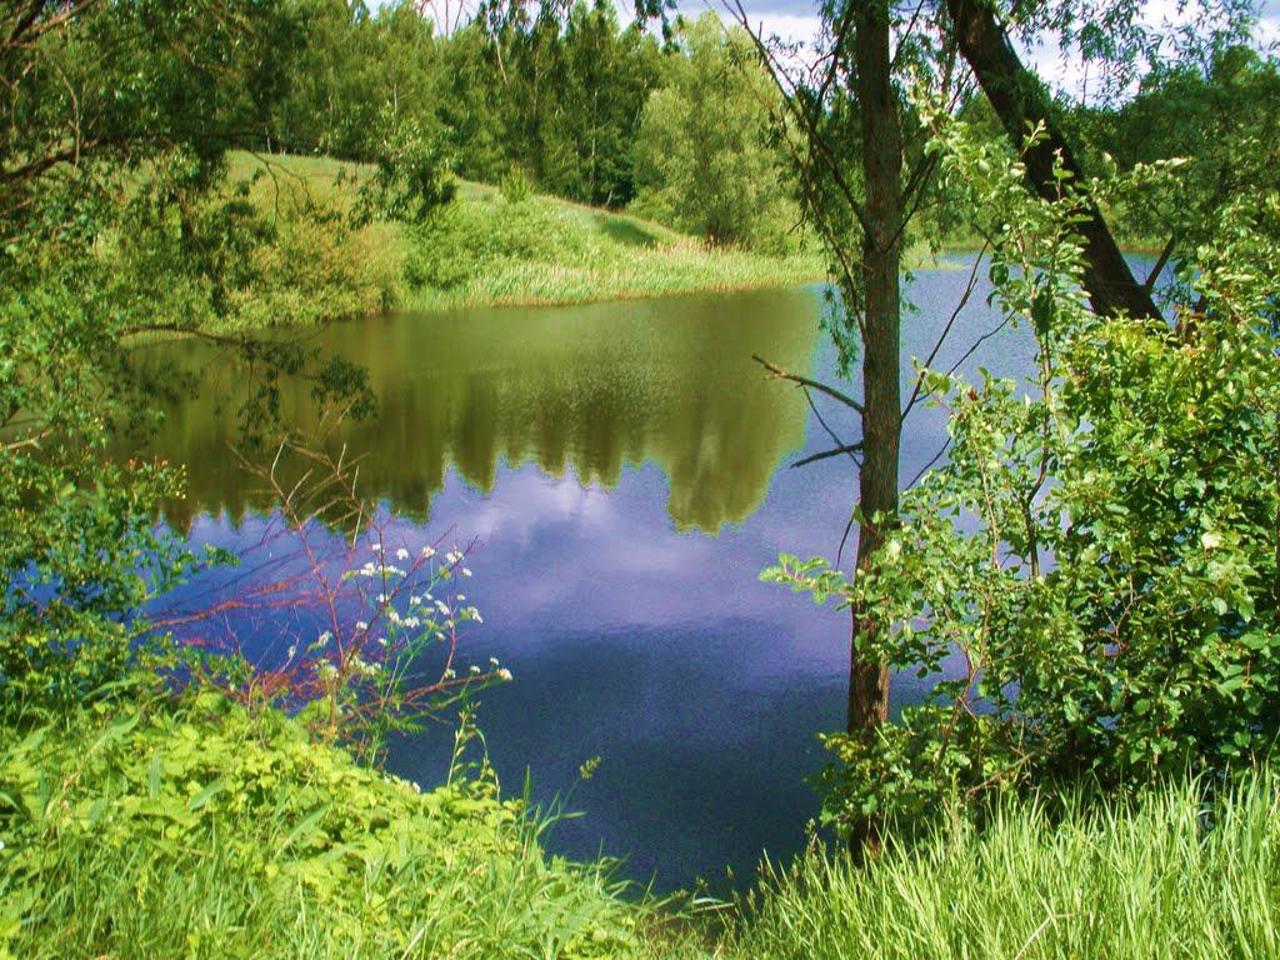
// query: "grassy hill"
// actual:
[[489, 249]]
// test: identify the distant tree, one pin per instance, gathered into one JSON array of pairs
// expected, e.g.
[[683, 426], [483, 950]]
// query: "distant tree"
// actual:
[[1221, 118], [705, 161], [607, 76]]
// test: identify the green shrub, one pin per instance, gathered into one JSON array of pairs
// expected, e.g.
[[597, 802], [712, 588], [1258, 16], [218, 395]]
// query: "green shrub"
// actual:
[[197, 828], [515, 185], [1091, 579]]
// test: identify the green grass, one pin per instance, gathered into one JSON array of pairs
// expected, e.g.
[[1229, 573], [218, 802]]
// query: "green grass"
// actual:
[[197, 828], [484, 250], [1128, 882]]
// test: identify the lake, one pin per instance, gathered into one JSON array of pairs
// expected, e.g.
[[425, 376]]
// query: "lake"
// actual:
[[625, 470]]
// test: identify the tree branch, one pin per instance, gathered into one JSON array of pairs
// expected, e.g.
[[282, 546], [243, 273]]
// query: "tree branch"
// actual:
[[797, 379]]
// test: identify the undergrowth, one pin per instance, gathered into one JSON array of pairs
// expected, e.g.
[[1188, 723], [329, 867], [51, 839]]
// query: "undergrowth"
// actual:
[[197, 828], [1169, 875]]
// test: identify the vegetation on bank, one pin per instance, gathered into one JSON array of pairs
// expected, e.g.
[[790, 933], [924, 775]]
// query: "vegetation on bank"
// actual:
[[1177, 872], [492, 248], [310, 256], [197, 827]]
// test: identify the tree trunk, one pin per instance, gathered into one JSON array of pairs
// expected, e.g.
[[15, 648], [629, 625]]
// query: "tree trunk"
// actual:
[[1021, 103], [881, 376]]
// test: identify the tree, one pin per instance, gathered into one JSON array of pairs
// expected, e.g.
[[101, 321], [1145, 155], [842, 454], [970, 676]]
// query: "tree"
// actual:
[[863, 176], [1215, 115], [861, 196], [705, 162], [116, 119], [1022, 104]]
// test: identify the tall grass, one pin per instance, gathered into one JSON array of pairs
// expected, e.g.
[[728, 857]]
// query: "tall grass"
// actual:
[[1167, 876]]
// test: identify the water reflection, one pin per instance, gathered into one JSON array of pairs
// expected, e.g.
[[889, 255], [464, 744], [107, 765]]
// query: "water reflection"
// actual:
[[591, 450], [592, 390]]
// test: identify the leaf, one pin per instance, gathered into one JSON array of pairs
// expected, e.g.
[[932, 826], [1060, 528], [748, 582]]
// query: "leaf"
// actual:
[[308, 823], [154, 775], [207, 794]]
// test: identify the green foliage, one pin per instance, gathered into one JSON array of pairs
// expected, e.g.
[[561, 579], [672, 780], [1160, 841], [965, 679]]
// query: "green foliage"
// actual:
[[412, 175], [1218, 118], [515, 185], [706, 162], [1170, 875], [197, 828], [559, 91], [116, 221], [487, 248], [1091, 577], [244, 253]]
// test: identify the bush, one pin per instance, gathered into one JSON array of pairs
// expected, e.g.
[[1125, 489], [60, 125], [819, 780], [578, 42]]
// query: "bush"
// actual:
[[196, 828], [1099, 555]]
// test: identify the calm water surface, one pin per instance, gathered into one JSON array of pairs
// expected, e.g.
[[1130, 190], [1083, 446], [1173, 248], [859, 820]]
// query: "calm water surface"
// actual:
[[625, 468]]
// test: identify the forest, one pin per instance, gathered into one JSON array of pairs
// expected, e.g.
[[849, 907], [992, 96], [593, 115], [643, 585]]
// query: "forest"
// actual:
[[572, 481]]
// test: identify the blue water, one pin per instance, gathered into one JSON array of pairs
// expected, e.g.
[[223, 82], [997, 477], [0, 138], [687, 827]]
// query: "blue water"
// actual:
[[620, 586]]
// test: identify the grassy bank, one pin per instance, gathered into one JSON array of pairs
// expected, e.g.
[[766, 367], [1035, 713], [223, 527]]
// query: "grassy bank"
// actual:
[[197, 828], [488, 249], [1170, 876]]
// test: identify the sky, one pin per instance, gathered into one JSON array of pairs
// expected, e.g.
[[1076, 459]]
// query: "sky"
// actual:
[[797, 21]]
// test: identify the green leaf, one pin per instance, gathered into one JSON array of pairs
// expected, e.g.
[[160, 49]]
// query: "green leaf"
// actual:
[[207, 794]]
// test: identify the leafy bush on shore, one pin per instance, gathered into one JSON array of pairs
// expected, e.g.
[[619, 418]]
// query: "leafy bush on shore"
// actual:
[[195, 827]]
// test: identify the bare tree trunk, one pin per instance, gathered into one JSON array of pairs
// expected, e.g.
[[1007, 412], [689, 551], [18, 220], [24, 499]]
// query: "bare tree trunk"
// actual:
[[881, 375], [1020, 102]]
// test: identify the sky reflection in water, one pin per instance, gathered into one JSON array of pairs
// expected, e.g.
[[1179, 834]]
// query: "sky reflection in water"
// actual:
[[624, 467]]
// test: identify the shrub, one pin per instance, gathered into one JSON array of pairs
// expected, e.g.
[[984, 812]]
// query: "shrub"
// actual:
[[1099, 555], [197, 828]]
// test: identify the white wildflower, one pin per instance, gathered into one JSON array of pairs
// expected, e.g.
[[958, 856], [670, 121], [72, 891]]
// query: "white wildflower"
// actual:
[[504, 675], [475, 669], [361, 626], [466, 572], [402, 554], [428, 553], [375, 547]]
